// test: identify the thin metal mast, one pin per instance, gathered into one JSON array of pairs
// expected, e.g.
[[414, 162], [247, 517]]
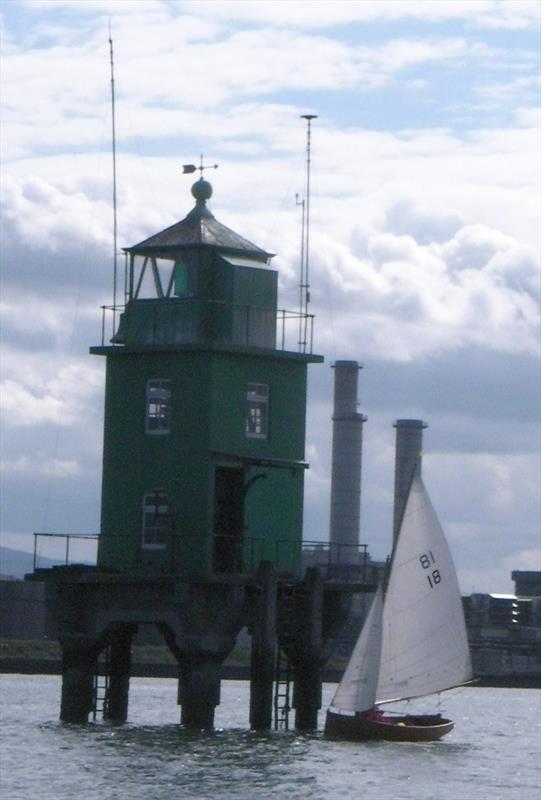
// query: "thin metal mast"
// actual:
[[305, 268], [113, 131], [301, 203]]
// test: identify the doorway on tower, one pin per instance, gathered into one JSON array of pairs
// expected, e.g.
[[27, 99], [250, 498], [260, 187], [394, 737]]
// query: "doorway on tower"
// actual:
[[228, 519]]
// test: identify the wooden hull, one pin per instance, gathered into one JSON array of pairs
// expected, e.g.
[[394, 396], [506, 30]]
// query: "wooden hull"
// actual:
[[408, 728]]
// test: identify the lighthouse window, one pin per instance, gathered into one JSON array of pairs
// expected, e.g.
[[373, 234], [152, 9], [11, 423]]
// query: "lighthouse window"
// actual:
[[257, 411], [181, 274], [158, 406], [156, 520]]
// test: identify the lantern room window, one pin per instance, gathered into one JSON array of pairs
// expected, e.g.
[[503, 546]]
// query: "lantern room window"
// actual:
[[156, 520], [158, 406], [257, 411]]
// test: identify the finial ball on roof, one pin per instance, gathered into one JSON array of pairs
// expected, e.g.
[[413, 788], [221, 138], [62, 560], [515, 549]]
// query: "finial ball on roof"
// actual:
[[202, 190]]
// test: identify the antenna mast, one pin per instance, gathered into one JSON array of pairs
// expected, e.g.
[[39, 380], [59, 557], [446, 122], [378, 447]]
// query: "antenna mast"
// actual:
[[305, 247], [113, 131]]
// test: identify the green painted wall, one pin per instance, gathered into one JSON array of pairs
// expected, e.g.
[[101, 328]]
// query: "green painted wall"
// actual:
[[208, 407], [210, 343], [135, 462]]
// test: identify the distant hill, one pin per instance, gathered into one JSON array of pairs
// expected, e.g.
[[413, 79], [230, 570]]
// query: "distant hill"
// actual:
[[14, 564]]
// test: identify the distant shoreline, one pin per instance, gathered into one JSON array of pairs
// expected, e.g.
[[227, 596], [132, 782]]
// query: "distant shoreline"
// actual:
[[36, 666]]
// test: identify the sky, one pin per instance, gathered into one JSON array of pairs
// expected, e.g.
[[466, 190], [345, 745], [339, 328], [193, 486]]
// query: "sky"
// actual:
[[424, 236]]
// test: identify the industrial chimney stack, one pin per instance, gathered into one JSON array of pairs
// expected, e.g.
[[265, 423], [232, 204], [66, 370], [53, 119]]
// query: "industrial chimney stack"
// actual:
[[346, 464], [409, 452]]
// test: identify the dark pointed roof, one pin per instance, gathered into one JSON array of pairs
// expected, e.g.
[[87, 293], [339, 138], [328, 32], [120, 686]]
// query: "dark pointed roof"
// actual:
[[199, 229]]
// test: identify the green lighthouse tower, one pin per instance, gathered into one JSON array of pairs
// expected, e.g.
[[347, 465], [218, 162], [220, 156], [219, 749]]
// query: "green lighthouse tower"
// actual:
[[203, 461], [202, 493]]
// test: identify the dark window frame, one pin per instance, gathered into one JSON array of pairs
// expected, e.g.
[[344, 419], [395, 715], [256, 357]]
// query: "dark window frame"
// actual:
[[256, 421], [158, 406], [156, 520]]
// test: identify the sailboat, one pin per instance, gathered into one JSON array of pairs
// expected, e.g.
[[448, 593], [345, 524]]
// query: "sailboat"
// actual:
[[414, 640]]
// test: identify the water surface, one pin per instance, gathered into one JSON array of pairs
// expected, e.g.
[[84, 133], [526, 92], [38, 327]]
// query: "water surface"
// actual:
[[494, 752]]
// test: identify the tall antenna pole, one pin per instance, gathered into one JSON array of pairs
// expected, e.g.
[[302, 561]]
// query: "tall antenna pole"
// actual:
[[113, 131], [302, 282], [306, 271]]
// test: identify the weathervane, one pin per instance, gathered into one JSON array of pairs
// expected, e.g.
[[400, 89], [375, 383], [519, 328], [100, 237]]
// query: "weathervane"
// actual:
[[189, 168]]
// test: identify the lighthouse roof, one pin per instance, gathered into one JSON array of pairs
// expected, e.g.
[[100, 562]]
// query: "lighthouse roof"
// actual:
[[199, 228]]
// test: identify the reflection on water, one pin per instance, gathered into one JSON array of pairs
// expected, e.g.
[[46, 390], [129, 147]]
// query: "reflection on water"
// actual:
[[492, 753]]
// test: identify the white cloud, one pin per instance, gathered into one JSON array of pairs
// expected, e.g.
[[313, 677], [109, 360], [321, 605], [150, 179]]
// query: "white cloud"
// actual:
[[48, 217], [424, 234], [512, 14], [40, 465], [30, 397], [500, 486], [528, 559], [405, 300], [507, 92]]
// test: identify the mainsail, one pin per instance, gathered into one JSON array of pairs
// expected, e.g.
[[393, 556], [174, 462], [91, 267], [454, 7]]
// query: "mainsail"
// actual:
[[424, 642], [414, 639]]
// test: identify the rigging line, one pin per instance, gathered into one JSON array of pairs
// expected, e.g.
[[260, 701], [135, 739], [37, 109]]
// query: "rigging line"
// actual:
[[50, 485], [113, 147]]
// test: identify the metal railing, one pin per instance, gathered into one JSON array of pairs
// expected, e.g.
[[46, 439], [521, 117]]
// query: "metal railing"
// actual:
[[293, 330], [68, 539], [341, 563]]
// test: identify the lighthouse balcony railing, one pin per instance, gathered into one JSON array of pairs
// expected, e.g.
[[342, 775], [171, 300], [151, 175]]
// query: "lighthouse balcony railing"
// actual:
[[339, 563], [177, 553], [64, 549], [188, 320]]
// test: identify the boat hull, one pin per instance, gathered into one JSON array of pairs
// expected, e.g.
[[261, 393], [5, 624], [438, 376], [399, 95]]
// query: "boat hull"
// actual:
[[408, 728]]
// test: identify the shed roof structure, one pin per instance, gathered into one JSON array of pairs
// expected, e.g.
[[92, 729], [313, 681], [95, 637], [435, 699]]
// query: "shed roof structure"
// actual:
[[199, 229]]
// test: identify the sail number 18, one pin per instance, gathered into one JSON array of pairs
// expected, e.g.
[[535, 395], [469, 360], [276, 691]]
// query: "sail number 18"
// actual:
[[427, 560]]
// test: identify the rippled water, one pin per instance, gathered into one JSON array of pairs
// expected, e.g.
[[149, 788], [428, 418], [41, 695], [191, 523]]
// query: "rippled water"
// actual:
[[493, 753]]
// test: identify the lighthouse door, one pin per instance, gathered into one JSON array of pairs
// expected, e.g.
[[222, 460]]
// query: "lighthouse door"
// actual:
[[228, 519]]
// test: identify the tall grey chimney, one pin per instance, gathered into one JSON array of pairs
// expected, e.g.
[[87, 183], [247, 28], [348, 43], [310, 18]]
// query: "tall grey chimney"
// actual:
[[409, 453], [347, 442]]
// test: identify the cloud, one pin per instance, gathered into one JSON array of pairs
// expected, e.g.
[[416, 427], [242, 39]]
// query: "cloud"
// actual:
[[160, 88], [424, 235], [37, 397], [507, 92], [511, 14], [407, 300], [528, 559], [40, 465]]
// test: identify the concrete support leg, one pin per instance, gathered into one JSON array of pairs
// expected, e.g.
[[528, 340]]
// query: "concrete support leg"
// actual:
[[307, 697], [199, 691], [264, 650], [308, 666], [116, 706], [79, 659], [210, 616]]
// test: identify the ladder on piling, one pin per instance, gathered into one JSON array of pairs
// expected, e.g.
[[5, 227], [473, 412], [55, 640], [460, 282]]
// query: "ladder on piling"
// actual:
[[284, 668], [101, 686], [282, 691]]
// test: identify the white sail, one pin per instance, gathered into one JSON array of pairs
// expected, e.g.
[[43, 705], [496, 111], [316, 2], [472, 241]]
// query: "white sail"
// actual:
[[424, 642], [357, 689]]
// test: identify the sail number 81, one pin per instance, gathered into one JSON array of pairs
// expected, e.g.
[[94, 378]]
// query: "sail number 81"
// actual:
[[426, 560]]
